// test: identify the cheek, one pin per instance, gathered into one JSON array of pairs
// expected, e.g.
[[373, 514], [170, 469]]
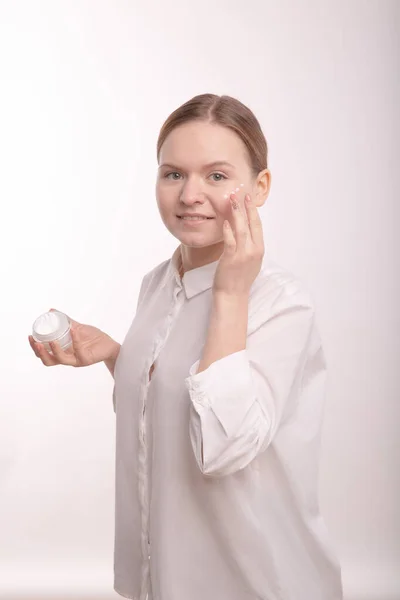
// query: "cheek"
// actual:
[[239, 187], [223, 197], [221, 207], [165, 200]]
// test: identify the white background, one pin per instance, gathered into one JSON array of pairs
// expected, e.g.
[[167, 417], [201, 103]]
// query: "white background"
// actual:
[[85, 87]]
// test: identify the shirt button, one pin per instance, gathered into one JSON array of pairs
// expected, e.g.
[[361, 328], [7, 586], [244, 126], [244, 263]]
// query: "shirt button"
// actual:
[[201, 401]]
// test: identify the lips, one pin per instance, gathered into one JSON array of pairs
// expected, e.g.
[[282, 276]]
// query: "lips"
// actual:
[[196, 216]]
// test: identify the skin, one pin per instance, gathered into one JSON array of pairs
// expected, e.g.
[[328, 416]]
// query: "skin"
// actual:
[[188, 185]]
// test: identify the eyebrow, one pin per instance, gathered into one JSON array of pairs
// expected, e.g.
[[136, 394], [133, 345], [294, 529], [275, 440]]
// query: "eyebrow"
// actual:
[[207, 166]]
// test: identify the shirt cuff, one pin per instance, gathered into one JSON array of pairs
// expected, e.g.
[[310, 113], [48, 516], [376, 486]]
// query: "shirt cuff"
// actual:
[[226, 387]]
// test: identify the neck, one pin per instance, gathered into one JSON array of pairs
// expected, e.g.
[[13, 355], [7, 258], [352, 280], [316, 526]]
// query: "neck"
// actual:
[[192, 258]]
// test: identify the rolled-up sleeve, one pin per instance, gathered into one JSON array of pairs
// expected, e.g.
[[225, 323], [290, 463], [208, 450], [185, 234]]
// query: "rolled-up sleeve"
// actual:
[[238, 402]]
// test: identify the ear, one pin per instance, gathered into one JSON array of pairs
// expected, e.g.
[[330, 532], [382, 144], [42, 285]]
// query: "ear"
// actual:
[[263, 185]]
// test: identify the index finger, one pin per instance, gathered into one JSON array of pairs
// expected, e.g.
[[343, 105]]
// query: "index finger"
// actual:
[[47, 359], [33, 345], [62, 356]]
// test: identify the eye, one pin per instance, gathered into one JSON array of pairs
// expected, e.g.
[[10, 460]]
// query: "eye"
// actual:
[[167, 175], [222, 177]]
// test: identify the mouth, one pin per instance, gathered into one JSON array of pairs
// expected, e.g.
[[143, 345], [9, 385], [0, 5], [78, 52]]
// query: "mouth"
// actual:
[[194, 220]]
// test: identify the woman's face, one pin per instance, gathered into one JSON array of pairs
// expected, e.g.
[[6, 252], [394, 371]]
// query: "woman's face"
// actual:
[[200, 163]]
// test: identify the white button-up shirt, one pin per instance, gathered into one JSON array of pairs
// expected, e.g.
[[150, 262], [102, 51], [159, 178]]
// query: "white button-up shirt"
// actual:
[[239, 520]]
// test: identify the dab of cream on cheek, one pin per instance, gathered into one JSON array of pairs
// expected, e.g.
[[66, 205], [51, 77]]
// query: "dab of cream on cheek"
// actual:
[[52, 326], [226, 196]]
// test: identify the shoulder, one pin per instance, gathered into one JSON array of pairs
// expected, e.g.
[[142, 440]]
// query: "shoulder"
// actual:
[[154, 278], [158, 273]]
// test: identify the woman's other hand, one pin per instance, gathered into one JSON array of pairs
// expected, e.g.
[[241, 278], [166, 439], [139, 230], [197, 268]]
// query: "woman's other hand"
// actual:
[[90, 345]]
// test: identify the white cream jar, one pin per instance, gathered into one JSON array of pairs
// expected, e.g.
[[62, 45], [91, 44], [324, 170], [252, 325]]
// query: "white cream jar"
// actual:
[[50, 327]]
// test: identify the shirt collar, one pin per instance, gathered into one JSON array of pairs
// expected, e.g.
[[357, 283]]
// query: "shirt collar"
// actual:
[[194, 281]]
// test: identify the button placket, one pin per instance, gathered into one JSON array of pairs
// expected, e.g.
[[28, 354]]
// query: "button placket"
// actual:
[[178, 300]]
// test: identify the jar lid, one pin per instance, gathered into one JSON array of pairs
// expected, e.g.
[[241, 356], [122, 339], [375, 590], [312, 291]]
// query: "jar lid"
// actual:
[[50, 326]]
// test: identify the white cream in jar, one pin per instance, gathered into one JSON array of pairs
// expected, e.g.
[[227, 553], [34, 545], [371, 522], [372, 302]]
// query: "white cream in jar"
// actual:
[[50, 327]]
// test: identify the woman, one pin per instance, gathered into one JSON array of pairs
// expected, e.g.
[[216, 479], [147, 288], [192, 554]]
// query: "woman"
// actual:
[[217, 451]]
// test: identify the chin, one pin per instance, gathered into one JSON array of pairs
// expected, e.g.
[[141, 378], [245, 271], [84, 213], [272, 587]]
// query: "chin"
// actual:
[[189, 240], [192, 242]]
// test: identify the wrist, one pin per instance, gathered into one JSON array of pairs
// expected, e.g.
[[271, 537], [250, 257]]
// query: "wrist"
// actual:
[[112, 359], [227, 299], [230, 311], [115, 351]]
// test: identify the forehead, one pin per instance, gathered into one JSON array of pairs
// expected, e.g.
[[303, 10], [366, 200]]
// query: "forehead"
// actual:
[[198, 143]]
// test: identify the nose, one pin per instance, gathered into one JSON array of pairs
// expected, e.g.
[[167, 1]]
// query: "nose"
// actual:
[[191, 193]]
